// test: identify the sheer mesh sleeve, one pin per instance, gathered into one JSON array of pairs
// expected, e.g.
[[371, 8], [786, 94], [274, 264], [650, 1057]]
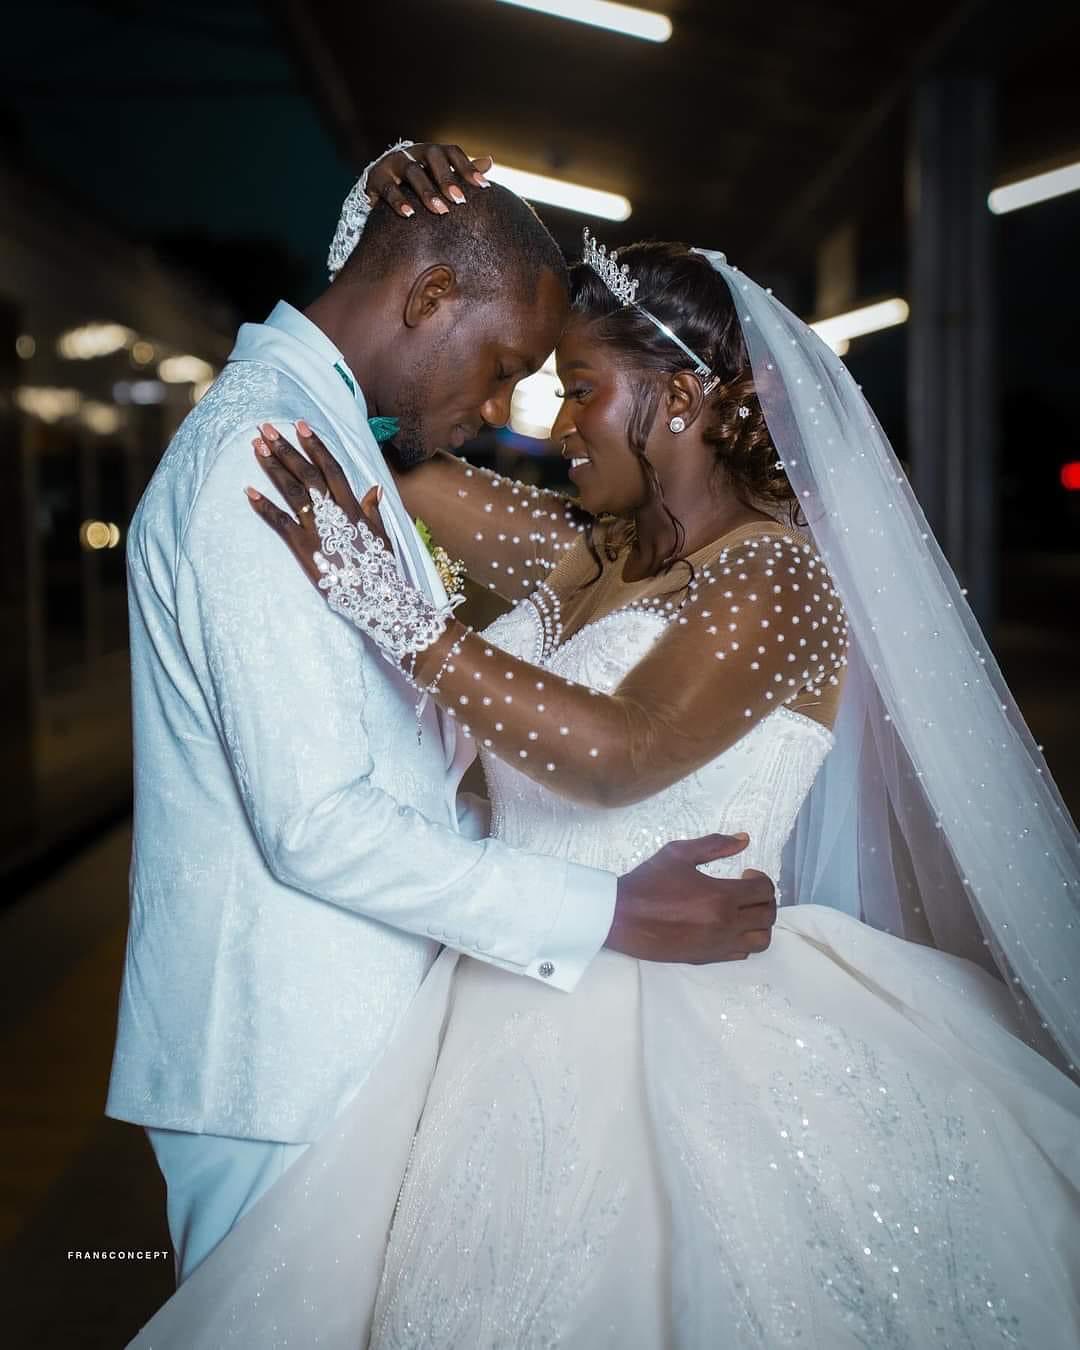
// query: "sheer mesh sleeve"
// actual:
[[509, 535], [758, 629]]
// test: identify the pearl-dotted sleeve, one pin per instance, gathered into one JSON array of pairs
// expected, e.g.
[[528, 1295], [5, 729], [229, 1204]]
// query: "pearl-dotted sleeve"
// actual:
[[758, 629], [509, 535]]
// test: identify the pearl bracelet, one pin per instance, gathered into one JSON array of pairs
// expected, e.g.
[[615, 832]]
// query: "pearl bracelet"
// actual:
[[432, 686]]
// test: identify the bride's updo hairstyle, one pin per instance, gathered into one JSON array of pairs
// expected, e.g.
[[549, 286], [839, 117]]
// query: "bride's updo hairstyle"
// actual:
[[682, 290]]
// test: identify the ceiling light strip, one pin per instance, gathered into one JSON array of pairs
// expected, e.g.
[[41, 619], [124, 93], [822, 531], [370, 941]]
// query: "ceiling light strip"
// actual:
[[555, 192], [625, 19], [1028, 191]]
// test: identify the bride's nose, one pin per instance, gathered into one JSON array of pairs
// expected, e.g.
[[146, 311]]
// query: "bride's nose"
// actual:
[[564, 425]]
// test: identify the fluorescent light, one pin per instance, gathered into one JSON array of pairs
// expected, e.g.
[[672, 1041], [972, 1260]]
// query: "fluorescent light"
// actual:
[[556, 192], [536, 404], [628, 19], [1031, 190], [857, 322]]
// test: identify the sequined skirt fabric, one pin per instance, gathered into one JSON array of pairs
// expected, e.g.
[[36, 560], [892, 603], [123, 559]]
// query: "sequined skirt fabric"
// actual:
[[839, 1143]]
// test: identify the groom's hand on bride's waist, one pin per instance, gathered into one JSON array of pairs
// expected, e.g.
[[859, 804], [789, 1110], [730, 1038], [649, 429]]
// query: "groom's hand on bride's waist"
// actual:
[[667, 910]]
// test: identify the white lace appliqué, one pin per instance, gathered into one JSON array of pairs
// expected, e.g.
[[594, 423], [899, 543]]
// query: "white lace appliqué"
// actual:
[[368, 588]]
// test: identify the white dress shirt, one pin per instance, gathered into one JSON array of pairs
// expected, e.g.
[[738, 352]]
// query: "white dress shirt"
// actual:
[[297, 858]]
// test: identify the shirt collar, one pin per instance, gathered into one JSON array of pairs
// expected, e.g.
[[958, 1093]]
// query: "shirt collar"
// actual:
[[286, 319]]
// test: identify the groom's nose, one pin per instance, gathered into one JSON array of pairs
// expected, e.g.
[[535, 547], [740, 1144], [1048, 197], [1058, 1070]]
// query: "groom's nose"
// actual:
[[496, 411]]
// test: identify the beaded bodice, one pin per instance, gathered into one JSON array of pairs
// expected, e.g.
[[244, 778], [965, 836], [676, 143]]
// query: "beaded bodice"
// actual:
[[756, 786]]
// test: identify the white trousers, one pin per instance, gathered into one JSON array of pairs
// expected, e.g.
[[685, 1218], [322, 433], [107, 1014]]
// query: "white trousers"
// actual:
[[211, 1183]]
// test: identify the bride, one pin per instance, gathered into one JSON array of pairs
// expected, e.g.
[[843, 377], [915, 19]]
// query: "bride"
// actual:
[[856, 1138]]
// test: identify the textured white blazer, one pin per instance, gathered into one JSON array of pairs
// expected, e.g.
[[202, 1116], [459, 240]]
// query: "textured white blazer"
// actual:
[[297, 858]]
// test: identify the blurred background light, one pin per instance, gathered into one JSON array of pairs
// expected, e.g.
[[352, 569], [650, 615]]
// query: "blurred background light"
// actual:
[[536, 187], [98, 534], [185, 370], [25, 346], [857, 322], [1028, 191], [94, 534], [142, 352], [93, 339], [142, 392], [48, 403], [104, 418], [627, 19], [1070, 476], [536, 403]]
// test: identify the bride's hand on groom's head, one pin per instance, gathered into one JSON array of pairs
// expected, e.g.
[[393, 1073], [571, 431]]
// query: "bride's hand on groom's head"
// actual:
[[296, 476], [433, 172]]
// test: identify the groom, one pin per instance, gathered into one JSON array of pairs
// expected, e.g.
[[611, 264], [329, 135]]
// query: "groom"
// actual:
[[298, 857]]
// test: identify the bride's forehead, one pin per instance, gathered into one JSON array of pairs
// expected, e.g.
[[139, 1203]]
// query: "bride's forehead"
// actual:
[[580, 348]]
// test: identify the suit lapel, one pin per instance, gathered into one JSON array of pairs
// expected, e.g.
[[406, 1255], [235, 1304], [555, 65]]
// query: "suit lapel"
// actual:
[[349, 438]]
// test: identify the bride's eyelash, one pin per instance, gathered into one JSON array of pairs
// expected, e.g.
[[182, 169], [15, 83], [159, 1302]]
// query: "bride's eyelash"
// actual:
[[576, 392]]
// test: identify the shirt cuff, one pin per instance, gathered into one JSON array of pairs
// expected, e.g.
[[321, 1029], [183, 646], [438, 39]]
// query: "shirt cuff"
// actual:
[[585, 919]]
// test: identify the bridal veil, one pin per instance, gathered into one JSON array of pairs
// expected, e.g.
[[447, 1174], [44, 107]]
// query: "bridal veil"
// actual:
[[935, 816]]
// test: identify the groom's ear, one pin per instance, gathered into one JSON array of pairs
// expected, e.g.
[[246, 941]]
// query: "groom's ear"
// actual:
[[433, 288]]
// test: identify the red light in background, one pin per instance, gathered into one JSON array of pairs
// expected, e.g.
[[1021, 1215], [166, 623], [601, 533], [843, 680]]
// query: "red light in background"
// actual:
[[1070, 476]]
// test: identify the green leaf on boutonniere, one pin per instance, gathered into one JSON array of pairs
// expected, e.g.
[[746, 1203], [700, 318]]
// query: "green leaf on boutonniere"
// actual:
[[425, 534], [451, 571]]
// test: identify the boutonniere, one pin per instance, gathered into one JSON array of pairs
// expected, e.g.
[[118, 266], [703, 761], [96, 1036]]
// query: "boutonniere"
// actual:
[[452, 571]]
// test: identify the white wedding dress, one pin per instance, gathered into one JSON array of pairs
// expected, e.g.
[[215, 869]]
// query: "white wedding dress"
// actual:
[[841, 1142]]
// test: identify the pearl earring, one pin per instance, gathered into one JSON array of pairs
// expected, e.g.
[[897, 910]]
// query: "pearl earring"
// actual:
[[677, 424]]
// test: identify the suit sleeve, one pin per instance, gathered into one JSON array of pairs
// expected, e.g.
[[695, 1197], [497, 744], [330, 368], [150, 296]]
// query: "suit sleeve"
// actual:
[[287, 683]]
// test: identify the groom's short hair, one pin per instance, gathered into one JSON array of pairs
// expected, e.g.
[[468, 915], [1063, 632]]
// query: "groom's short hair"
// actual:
[[495, 243]]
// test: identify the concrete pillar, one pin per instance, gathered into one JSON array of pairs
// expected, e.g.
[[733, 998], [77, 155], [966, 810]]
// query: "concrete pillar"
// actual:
[[952, 398]]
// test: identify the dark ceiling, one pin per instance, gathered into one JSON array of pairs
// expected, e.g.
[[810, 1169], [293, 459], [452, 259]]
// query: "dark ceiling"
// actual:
[[755, 128]]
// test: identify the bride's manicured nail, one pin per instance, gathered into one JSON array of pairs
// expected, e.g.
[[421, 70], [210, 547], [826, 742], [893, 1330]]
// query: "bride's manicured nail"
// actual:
[[262, 448], [378, 496], [270, 432], [439, 206], [481, 180], [456, 195], [253, 495], [303, 428], [406, 210]]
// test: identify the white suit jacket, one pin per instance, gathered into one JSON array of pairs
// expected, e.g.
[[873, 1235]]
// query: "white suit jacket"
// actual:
[[297, 858]]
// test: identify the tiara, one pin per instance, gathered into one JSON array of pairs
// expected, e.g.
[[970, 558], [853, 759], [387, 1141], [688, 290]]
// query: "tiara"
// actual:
[[617, 279], [624, 288]]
